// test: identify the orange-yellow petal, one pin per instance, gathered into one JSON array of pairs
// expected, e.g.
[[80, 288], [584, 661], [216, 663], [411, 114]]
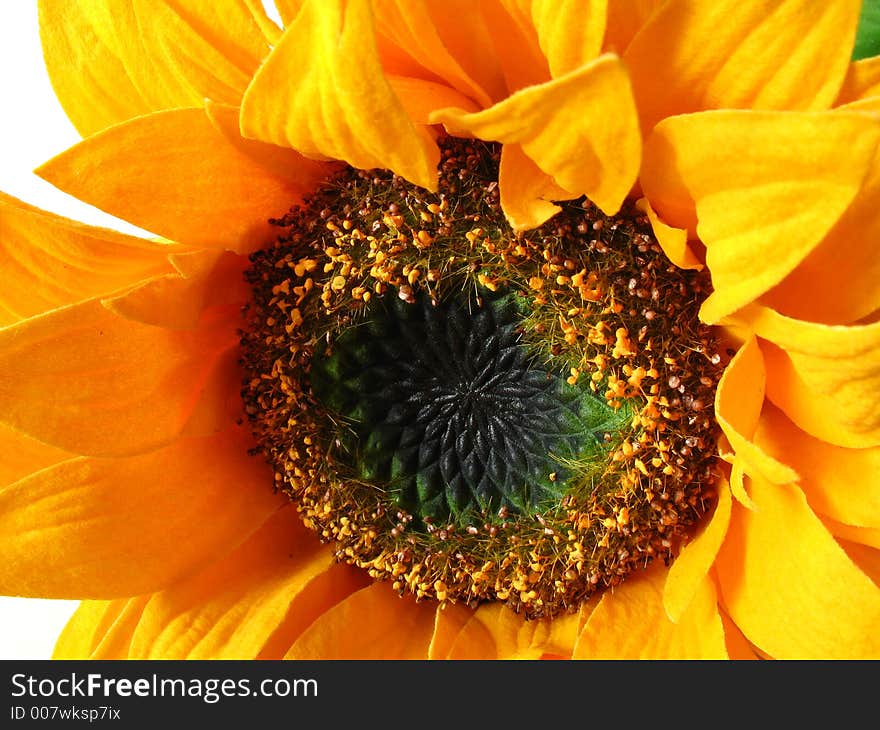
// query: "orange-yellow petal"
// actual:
[[827, 377], [766, 188], [178, 301], [49, 261], [526, 191], [493, 631], [373, 623], [625, 20], [840, 483], [109, 528], [862, 81], [738, 647], [322, 91], [790, 587], [693, 564], [86, 380], [250, 604], [21, 455], [421, 98], [282, 162], [839, 281], [867, 536], [447, 39], [111, 60], [673, 241], [712, 54], [288, 9], [570, 32], [580, 129], [515, 43], [100, 629], [738, 401], [174, 174], [631, 623]]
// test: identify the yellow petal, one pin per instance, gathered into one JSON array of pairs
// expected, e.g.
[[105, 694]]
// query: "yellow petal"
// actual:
[[825, 373], [766, 187], [862, 81], [269, 27], [288, 10], [373, 623], [282, 162], [790, 587], [839, 281], [570, 32], [322, 91], [91, 382], [251, 603], [23, 455], [420, 98], [840, 483], [738, 401], [100, 629], [712, 54], [515, 43], [631, 623], [446, 38], [174, 174], [112, 60], [580, 129], [178, 302], [672, 240], [738, 647], [494, 631], [867, 536], [49, 261], [108, 528], [526, 191], [867, 558], [737, 485], [625, 19], [692, 565]]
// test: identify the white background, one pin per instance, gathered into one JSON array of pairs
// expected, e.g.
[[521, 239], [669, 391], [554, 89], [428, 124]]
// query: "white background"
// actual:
[[33, 128]]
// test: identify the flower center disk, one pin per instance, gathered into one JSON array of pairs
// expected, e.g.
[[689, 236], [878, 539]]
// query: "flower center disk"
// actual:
[[446, 408], [473, 413]]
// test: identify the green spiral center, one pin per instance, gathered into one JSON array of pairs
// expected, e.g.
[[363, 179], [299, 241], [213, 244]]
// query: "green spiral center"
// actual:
[[443, 406]]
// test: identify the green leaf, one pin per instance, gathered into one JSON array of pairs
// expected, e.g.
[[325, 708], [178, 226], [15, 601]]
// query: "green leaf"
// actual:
[[868, 34]]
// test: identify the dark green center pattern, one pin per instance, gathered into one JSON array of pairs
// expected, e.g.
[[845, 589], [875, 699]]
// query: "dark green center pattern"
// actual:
[[443, 406]]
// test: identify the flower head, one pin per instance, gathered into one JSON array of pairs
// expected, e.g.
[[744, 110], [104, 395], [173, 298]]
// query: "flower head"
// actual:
[[556, 319]]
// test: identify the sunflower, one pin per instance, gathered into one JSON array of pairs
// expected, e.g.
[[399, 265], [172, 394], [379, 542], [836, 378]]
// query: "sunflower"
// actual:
[[509, 330]]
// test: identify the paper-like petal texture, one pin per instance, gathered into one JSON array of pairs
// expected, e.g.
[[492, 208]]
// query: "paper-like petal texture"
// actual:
[[251, 604], [790, 587], [840, 483], [713, 54], [738, 402], [631, 623], [111, 60], [109, 528], [825, 377], [693, 564], [173, 173], [493, 631], [49, 261], [373, 623], [580, 129], [100, 629], [322, 91], [755, 180], [91, 382]]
